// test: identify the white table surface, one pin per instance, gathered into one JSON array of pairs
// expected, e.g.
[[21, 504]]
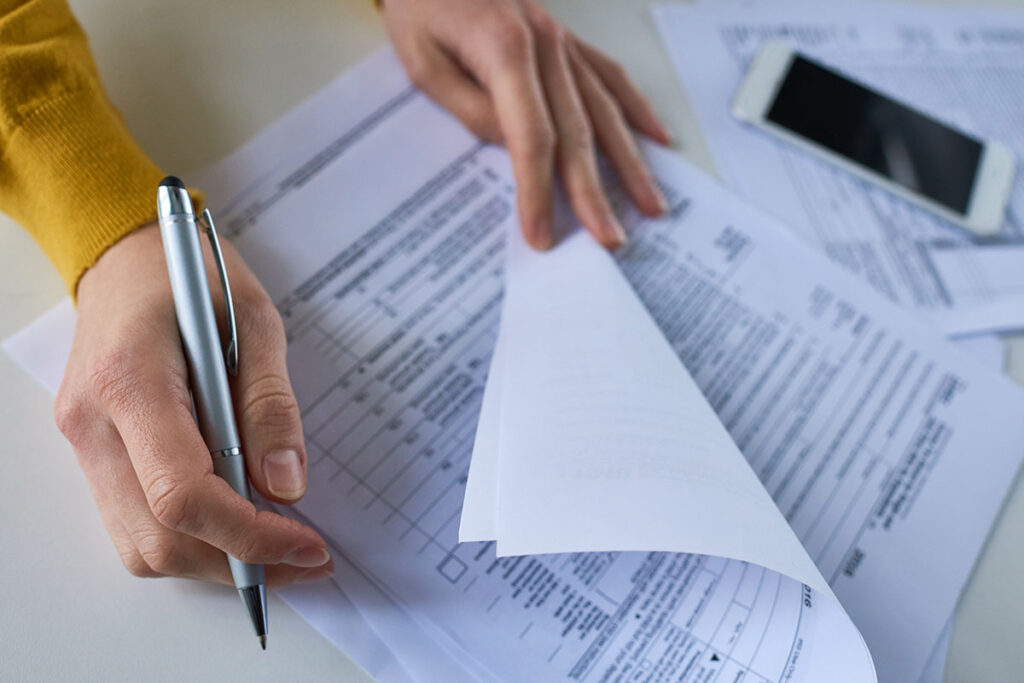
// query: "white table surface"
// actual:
[[68, 610]]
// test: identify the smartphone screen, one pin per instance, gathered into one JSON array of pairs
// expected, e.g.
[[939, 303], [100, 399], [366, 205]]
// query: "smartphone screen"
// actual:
[[877, 133]]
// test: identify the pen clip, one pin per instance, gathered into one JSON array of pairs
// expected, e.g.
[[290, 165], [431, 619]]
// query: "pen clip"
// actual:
[[231, 354]]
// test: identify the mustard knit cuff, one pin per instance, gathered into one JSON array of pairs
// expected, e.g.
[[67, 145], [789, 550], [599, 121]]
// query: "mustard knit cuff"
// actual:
[[80, 181]]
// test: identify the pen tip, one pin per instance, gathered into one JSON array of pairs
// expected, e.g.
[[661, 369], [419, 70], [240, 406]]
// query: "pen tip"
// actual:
[[263, 642]]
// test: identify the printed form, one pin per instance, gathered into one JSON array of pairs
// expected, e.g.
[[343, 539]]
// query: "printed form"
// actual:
[[379, 227], [964, 67]]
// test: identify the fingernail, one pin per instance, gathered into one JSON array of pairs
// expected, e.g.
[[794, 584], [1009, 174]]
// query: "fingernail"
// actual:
[[283, 471], [310, 556], [659, 199], [667, 139], [542, 238], [615, 232]]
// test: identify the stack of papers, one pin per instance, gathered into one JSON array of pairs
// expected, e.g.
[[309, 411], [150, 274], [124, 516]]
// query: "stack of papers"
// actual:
[[733, 459]]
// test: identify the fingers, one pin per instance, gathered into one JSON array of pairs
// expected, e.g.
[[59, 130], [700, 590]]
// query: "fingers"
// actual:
[[147, 548], [98, 446], [268, 414], [635, 106], [508, 72], [444, 81], [154, 549], [529, 134], [616, 139], [269, 420], [150, 409], [575, 156]]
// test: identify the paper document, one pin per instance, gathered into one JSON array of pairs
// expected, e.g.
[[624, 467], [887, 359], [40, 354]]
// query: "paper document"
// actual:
[[378, 226], [963, 67]]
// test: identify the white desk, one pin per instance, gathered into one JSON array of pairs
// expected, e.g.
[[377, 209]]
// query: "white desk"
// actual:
[[68, 610]]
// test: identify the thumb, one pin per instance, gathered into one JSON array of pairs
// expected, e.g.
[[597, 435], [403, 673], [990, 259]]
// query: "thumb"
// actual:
[[268, 415]]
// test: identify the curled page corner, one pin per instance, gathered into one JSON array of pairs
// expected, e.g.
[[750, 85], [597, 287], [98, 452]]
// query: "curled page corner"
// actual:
[[608, 443]]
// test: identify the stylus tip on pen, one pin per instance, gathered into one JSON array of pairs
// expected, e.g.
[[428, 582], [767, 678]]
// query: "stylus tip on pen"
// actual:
[[263, 642], [172, 181]]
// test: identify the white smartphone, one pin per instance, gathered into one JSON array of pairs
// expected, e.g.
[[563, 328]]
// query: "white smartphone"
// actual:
[[948, 172]]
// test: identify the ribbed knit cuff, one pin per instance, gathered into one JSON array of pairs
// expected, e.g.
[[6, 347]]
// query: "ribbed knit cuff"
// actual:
[[80, 181]]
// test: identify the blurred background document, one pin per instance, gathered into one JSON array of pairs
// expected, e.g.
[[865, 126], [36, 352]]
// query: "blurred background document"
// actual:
[[965, 67]]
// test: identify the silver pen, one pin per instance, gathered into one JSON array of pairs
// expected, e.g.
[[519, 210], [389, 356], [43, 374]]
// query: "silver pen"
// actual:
[[207, 366]]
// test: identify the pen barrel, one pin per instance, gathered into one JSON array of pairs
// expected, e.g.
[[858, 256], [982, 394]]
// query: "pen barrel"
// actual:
[[231, 468], [199, 333]]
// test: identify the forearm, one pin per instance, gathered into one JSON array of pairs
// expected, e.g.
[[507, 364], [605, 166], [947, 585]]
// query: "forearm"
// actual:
[[70, 172]]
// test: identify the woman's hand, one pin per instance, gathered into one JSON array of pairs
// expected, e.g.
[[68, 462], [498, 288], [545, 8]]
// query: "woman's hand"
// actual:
[[514, 75], [125, 407]]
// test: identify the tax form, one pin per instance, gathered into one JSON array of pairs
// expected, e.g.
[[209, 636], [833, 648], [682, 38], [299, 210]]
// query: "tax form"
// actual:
[[964, 67], [379, 226]]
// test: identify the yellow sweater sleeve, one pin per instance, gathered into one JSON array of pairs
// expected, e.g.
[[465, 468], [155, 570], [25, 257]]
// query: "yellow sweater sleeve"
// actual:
[[70, 172]]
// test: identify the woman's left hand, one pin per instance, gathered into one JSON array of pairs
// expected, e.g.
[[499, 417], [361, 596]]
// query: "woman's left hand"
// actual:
[[513, 75]]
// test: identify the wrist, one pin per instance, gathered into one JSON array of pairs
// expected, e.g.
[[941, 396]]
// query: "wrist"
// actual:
[[141, 244]]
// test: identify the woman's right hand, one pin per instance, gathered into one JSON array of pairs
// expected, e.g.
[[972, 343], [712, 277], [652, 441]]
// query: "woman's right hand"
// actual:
[[125, 407]]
